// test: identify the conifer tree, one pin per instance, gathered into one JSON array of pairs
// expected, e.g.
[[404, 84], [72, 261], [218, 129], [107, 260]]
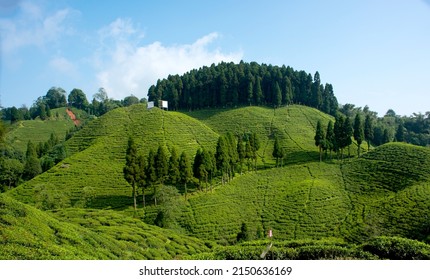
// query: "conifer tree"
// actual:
[[151, 173], [222, 157], [198, 166], [339, 133], [319, 138], [131, 168], [174, 166], [368, 131], [32, 166], [277, 95], [186, 171], [330, 137], [400, 134], [232, 153], [241, 152], [141, 178], [358, 132], [161, 167], [277, 151], [209, 163], [348, 131]]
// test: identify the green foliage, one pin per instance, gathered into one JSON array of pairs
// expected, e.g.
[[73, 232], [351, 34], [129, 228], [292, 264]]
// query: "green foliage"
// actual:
[[243, 235], [397, 248], [384, 192], [28, 233], [32, 165], [78, 99], [132, 168], [358, 131], [244, 84], [39, 131]]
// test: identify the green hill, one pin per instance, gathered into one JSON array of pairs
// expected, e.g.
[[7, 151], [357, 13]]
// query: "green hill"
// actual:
[[92, 176], [38, 130], [385, 192], [28, 233]]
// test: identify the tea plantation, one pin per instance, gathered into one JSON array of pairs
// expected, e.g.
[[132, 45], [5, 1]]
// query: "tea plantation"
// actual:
[[373, 207]]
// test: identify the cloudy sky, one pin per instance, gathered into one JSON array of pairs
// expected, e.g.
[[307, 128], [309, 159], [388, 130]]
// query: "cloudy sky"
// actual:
[[374, 52]]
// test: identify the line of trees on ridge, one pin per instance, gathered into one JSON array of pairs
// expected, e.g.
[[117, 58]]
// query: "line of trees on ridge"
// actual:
[[244, 84]]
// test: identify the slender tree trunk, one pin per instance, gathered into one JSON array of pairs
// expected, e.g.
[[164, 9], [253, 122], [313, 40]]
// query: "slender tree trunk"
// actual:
[[134, 197], [186, 192], [155, 194], [320, 153], [143, 197], [358, 152]]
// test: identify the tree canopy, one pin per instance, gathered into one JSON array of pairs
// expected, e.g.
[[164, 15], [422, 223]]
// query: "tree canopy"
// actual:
[[230, 85]]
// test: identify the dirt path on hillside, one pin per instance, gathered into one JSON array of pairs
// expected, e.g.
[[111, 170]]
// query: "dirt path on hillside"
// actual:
[[73, 117]]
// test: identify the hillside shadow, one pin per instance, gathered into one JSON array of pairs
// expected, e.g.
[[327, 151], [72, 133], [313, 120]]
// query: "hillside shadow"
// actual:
[[299, 157], [115, 202]]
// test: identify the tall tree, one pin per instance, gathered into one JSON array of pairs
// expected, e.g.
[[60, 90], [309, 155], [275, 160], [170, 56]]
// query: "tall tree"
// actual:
[[386, 136], [131, 169], [319, 138], [330, 137], [32, 166], [339, 133], [222, 157], [277, 95], [400, 134], [358, 132], [278, 152], [368, 130], [209, 162], [141, 176], [174, 174], [161, 167], [349, 131], [241, 152], [56, 98], [258, 92], [151, 172], [78, 99], [199, 170], [186, 171]]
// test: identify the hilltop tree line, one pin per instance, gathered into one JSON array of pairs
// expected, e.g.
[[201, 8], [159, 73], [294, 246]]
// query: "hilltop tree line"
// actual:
[[158, 168], [365, 127], [231, 85], [56, 97], [414, 129]]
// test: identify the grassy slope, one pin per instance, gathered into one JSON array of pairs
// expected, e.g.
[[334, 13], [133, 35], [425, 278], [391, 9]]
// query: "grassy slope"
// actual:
[[28, 233], [321, 200], [38, 130], [305, 199], [92, 176]]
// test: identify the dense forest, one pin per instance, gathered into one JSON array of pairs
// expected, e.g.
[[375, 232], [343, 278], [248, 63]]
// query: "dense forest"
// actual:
[[232, 85]]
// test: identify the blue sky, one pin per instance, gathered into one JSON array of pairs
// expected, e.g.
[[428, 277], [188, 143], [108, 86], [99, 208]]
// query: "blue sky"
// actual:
[[375, 53]]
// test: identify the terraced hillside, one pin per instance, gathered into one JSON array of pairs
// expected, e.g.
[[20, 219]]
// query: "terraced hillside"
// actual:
[[29, 233], [385, 192], [323, 200], [38, 130], [92, 176]]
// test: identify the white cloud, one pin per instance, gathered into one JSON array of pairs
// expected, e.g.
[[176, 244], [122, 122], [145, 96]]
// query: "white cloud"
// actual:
[[128, 68], [32, 27], [61, 64]]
